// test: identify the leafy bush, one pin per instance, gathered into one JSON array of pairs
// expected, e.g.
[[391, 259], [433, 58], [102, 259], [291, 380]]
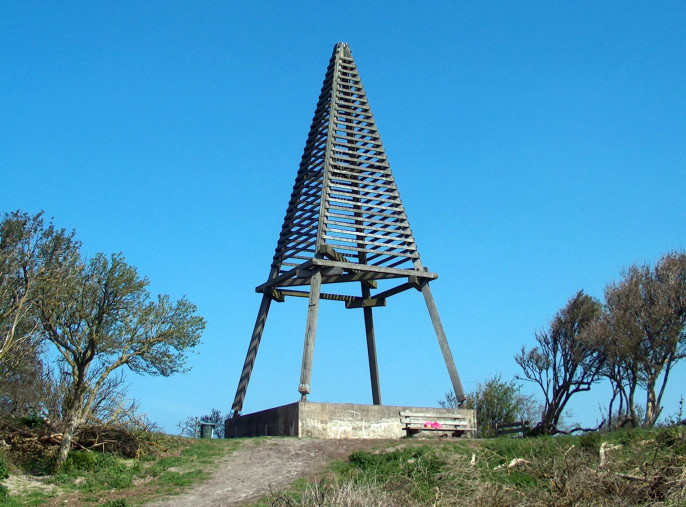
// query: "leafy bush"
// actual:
[[4, 474], [4, 469], [590, 441], [33, 421], [100, 471], [80, 461]]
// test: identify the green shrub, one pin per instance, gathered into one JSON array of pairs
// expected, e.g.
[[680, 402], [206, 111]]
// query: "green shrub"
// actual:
[[590, 441], [4, 469], [80, 461], [116, 503], [99, 470], [32, 421]]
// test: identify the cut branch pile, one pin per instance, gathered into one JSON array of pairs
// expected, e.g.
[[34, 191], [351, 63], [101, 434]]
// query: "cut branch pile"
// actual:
[[40, 442]]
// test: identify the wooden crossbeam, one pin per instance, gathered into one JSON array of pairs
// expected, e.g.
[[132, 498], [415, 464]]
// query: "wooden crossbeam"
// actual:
[[374, 269], [329, 251], [284, 276], [344, 278], [350, 301], [396, 290], [359, 302]]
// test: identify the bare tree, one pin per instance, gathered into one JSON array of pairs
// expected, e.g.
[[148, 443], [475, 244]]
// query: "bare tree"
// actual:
[[563, 363], [104, 319], [642, 332]]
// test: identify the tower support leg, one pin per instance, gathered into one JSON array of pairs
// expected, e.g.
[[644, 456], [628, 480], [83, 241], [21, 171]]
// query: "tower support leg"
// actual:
[[443, 342], [252, 353], [371, 348], [310, 333]]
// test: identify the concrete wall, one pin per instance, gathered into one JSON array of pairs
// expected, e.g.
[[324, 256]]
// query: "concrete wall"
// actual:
[[329, 420], [276, 422], [349, 420]]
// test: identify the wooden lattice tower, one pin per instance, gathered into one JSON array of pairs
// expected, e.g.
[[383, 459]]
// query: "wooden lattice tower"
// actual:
[[345, 222]]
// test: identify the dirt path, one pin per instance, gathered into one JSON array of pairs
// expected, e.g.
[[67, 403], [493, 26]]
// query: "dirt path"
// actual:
[[259, 466]]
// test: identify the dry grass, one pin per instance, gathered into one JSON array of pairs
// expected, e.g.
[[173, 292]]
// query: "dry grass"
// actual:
[[634, 467]]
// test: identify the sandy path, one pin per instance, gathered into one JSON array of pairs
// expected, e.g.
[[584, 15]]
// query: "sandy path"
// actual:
[[260, 466]]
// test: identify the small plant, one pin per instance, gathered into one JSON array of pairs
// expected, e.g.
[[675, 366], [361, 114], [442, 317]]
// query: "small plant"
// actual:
[[590, 441], [33, 421], [80, 460], [94, 471], [415, 470], [4, 468]]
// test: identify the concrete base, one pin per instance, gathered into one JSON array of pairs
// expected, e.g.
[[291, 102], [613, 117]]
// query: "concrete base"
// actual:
[[330, 420]]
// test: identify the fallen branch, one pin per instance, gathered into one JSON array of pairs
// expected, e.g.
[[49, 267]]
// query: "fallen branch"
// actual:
[[634, 478]]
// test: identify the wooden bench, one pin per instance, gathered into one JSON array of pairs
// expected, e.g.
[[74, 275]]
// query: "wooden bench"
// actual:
[[510, 428], [454, 423]]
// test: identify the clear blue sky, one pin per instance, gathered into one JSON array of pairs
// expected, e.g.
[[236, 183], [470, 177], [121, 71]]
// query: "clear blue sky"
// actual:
[[539, 148]]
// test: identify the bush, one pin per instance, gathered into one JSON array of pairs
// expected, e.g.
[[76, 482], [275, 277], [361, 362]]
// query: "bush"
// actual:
[[496, 402], [33, 421], [4, 474], [80, 461], [99, 470], [4, 469]]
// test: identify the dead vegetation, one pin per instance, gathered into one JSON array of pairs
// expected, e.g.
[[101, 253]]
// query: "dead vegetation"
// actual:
[[633, 467], [32, 443]]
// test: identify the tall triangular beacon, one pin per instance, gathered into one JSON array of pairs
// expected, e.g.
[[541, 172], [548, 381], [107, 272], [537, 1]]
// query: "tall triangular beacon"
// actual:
[[345, 227]]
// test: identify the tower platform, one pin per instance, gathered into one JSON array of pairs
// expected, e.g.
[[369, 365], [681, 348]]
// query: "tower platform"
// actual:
[[344, 420]]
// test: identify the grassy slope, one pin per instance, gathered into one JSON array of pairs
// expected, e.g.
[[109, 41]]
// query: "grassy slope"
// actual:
[[622, 468], [91, 478], [638, 467]]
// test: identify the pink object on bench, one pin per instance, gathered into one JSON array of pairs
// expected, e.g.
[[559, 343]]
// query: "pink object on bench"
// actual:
[[433, 424]]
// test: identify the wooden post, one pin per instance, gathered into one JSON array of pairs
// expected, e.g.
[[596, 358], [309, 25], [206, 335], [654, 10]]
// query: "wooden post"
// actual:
[[443, 342], [310, 333], [371, 347], [252, 353]]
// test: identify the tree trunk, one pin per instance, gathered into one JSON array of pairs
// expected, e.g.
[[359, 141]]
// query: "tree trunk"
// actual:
[[609, 410], [65, 445], [548, 423], [652, 410], [631, 406]]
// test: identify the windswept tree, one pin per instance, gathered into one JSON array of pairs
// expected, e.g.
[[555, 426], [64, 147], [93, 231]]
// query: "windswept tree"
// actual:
[[563, 363], [33, 257], [104, 318], [643, 332]]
